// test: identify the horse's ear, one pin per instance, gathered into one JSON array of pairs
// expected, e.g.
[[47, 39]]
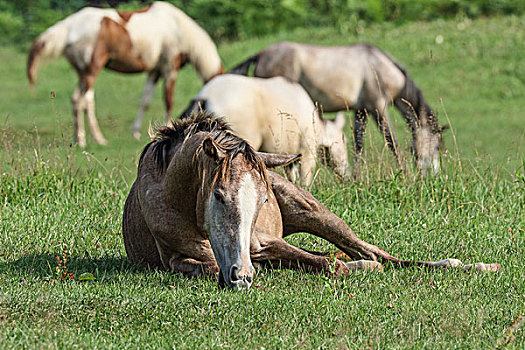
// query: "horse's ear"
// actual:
[[272, 160], [340, 120], [211, 150]]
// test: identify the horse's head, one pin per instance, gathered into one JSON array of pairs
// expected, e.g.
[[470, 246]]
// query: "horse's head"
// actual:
[[237, 188], [427, 142], [237, 191], [332, 138]]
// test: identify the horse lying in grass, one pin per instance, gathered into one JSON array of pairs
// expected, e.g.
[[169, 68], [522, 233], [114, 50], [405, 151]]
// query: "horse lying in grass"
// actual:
[[358, 77], [204, 204], [276, 116], [159, 39]]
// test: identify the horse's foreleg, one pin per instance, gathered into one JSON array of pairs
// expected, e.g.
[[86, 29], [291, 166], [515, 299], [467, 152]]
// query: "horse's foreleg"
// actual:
[[279, 253], [307, 168], [384, 124], [291, 171], [92, 119], [147, 94], [301, 212], [78, 101], [169, 88], [454, 263], [359, 132], [189, 265], [193, 268]]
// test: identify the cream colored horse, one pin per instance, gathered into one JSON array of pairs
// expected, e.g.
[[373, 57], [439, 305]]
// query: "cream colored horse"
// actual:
[[159, 39], [277, 116], [362, 78]]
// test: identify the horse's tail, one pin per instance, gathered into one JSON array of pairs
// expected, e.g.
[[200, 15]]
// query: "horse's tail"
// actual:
[[196, 105], [244, 67], [49, 44]]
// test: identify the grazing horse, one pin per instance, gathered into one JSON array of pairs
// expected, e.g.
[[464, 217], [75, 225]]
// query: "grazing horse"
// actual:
[[204, 204], [159, 39], [276, 116], [359, 77]]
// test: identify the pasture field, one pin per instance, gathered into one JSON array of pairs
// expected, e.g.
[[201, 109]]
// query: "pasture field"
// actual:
[[57, 201]]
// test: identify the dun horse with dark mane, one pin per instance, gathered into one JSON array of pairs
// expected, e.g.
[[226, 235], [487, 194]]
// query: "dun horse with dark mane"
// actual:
[[358, 77], [204, 203]]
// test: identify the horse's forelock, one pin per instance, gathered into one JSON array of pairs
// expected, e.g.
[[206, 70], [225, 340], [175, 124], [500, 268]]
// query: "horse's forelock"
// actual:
[[213, 171], [232, 146], [167, 137]]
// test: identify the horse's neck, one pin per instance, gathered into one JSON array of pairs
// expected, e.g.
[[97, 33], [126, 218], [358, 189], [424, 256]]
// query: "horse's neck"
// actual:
[[201, 50], [427, 117], [180, 174]]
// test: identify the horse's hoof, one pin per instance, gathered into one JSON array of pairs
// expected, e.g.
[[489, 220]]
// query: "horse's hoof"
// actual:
[[364, 265], [481, 267], [101, 140], [449, 263]]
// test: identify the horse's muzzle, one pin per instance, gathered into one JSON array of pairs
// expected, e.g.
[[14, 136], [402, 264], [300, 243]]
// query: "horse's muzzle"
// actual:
[[241, 278]]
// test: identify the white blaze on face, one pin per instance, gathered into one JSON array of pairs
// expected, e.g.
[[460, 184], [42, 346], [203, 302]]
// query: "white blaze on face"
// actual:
[[230, 240], [248, 205]]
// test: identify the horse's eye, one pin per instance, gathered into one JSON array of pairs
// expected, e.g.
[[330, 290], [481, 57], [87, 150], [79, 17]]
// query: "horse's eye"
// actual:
[[265, 199], [218, 196]]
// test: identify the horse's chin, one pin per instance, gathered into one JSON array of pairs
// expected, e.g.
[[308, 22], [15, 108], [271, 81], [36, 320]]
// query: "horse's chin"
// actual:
[[237, 285], [241, 285]]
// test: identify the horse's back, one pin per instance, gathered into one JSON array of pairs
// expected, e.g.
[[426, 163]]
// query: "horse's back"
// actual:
[[334, 76], [149, 30], [84, 25], [237, 100], [272, 114]]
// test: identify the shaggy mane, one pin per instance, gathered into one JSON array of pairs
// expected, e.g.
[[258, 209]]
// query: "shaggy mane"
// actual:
[[219, 130]]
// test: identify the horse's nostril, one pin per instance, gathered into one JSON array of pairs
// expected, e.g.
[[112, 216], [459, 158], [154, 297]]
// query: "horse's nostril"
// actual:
[[248, 279], [234, 273]]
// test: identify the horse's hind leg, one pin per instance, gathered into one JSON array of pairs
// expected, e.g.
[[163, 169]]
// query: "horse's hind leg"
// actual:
[[169, 87], [79, 106], [384, 124], [280, 253], [147, 94], [301, 212]]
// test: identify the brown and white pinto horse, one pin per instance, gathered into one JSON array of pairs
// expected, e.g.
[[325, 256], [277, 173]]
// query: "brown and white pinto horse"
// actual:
[[159, 39]]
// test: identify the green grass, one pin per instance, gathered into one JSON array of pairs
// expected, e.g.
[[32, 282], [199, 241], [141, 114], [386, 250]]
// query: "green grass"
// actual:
[[54, 196]]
